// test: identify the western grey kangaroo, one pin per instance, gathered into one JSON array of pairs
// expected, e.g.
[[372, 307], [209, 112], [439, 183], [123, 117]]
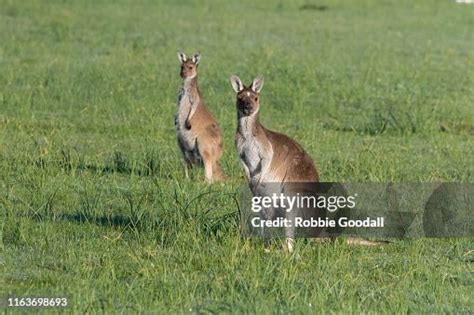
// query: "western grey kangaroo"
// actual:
[[199, 136]]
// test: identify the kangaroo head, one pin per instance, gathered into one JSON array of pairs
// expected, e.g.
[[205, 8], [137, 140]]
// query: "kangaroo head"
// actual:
[[189, 66], [248, 100]]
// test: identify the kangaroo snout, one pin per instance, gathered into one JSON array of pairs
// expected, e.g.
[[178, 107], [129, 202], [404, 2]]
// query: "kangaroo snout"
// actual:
[[247, 102]]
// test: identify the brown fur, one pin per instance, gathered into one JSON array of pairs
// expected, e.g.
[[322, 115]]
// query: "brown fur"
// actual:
[[291, 160]]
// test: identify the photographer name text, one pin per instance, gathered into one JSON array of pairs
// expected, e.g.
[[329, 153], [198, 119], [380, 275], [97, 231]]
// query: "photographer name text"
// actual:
[[377, 222]]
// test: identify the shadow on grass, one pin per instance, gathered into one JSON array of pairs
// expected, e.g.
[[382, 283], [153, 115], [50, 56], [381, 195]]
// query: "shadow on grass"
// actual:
[[313, 7], [116, 220], [118, 164]]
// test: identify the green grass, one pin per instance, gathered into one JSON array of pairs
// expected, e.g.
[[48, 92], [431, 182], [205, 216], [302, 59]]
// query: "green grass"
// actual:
[[94, 201]]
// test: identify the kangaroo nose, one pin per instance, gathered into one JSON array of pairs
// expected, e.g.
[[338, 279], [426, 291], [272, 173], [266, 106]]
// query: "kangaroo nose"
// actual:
[[247, 109]]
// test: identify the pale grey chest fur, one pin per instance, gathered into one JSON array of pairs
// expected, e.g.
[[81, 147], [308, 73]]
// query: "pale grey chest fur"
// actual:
[[185, 110], [254, 155], [184, 107]]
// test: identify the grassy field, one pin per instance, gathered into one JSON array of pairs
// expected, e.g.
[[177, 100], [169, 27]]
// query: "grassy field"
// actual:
[[94, 201]]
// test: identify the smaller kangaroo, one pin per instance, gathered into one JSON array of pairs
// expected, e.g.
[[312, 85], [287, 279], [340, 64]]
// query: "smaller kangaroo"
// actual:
[[268, 156], [199, 137]]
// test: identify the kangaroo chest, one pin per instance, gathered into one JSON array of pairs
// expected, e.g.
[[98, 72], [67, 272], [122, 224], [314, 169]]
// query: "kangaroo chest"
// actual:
[[187, 139], [250, 155], [255, 154]]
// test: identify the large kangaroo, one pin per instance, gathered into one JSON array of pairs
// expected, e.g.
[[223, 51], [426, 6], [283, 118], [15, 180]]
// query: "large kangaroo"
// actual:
[[267, 156], [199, 137]]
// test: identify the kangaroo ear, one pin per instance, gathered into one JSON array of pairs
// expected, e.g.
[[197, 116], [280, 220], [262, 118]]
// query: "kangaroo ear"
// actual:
[[257, 84], [236, 83], [182, 57], [196, 57]]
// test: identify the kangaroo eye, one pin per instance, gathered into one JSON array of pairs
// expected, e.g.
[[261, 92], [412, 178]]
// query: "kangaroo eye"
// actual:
[[256, 98]]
